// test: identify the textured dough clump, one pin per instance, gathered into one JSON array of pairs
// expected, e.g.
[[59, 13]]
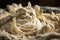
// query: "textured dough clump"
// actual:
[[24, 21], [28, 21]]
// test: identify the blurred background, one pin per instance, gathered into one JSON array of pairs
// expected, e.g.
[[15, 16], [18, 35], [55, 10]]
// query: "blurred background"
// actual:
[[54, 3]]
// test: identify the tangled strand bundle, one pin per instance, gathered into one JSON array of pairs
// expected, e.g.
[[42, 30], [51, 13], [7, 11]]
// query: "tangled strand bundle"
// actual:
[[28, 22]]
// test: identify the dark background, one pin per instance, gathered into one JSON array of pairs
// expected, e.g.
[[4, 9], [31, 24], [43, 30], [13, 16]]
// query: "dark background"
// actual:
[[54, 3]]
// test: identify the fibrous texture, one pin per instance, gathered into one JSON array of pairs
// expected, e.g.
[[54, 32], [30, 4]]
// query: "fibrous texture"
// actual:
[[27, 23]]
